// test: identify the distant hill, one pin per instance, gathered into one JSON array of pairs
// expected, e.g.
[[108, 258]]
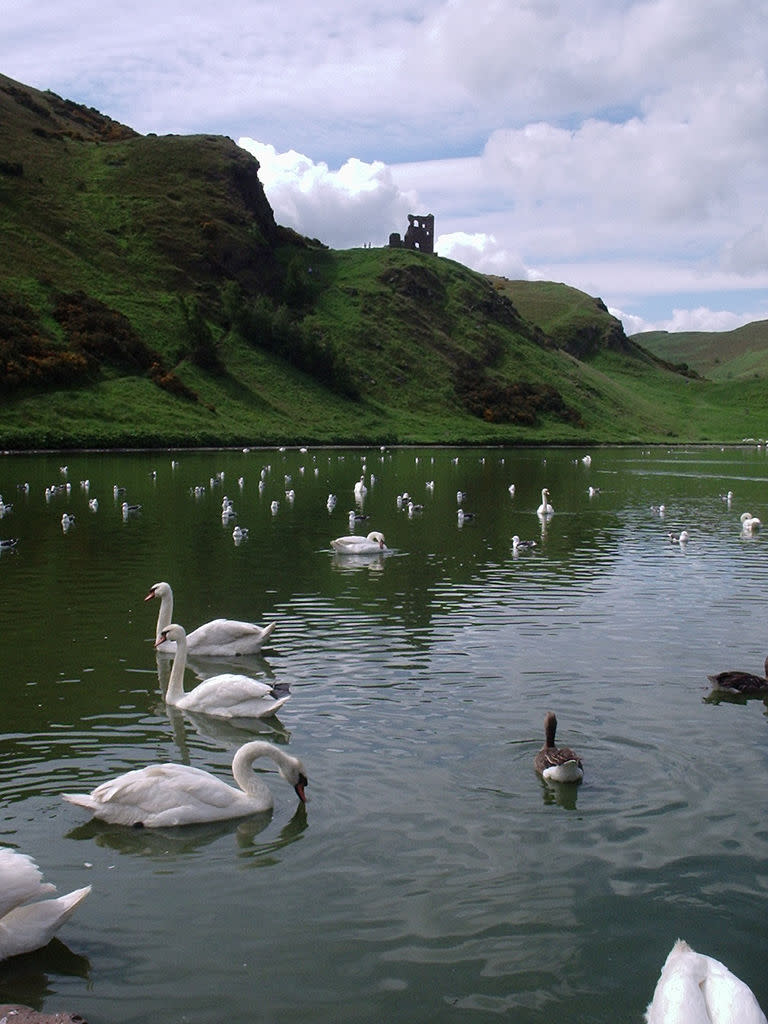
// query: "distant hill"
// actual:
[[721, 355], [148, 297]]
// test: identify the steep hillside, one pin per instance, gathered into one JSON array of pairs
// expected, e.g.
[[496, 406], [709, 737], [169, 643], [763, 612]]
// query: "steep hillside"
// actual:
[[147, 297]]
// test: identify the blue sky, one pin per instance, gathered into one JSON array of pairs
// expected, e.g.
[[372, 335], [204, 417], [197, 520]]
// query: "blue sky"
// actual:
[[618, 146]]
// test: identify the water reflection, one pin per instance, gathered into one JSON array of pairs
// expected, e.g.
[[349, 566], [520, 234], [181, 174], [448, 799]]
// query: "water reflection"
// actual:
[[30, 979]]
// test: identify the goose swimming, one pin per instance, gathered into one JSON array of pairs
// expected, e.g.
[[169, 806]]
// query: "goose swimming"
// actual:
[[744, 683], [177, 794], [558, 764]]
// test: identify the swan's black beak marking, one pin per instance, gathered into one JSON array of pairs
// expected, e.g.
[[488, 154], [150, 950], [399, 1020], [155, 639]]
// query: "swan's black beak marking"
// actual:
[[299, 787]]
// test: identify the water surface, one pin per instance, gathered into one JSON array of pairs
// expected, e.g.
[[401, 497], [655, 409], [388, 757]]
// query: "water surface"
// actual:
[[432, 876]]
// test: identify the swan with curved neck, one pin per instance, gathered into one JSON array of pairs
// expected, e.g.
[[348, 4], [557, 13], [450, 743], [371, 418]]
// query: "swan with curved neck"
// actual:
[[697, 989], [353, 545], [163, 795], [225, 696], [559, 764], [27, 925], [219, 638], [544, 509]]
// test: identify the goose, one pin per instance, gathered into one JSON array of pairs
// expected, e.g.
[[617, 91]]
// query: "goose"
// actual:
[[219, 638], [740, 682], [360, 545], [558, 764], [697, 989], [544, 509], [225, 696], [522, 545], [26, 925], [749, 523], [162, 795]]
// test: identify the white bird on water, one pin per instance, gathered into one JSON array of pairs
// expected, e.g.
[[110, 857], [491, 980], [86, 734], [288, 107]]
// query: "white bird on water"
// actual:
[[544, 509], [177, 794], [228, 695], [28, 921], [219, 638], [697, 989]]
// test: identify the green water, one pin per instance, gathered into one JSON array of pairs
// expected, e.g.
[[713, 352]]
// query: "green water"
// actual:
[[432, 876]]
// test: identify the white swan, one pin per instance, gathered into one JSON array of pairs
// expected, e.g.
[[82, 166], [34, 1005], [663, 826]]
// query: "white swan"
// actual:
[[360, 489], [226, 696], [371, 544], [544, 509], [24, 925], [749, 523], [177, 794], [697, 989], [219, 638], [559, 764]]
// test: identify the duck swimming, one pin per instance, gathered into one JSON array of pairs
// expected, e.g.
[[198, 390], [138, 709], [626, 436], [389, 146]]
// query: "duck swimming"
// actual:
[[558, 764]]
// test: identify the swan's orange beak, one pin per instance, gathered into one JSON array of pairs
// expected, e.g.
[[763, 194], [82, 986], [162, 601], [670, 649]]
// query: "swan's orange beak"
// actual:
[[150, 595], [299, 787], [161, 639]]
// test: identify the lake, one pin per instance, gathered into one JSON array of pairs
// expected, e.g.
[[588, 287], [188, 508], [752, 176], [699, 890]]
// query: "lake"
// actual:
[[432, 876]]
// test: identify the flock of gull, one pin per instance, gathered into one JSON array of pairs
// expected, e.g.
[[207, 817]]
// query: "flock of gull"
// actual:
[[692, 988]]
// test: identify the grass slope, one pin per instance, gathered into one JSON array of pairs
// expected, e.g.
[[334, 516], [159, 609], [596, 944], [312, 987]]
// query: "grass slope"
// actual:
[[721, 355], [147, 297]]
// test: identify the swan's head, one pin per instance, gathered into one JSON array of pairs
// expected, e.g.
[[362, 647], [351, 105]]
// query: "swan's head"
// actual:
[[173, 632], [376, 538], [294, 773], [160, 590]]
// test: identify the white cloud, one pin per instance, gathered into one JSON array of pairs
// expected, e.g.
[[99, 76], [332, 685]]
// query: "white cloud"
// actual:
[[355, 205], [618, 145]]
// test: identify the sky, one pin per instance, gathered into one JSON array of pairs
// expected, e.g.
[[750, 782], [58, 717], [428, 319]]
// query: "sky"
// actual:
[[618, 146]]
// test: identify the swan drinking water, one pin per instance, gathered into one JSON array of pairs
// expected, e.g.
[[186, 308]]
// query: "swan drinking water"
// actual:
[[163, 795], [219, 638], [558, 764], [26, 925], [226, 696], [697, 989]]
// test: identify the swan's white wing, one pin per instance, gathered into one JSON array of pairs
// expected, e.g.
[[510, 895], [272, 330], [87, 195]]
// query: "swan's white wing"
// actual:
[[232, 696], [228, 636], [20, 880], [160, 794]]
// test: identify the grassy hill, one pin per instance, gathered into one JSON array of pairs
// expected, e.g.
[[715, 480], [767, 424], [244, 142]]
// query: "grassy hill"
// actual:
[[719, 355], [147, 297]]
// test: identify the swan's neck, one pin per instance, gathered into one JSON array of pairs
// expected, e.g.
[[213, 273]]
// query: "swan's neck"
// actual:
[[243, 774], [165, 613], [175, 689]]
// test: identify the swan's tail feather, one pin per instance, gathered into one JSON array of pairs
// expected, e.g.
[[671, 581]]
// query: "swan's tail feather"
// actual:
[[34, 925], [81, 800]]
